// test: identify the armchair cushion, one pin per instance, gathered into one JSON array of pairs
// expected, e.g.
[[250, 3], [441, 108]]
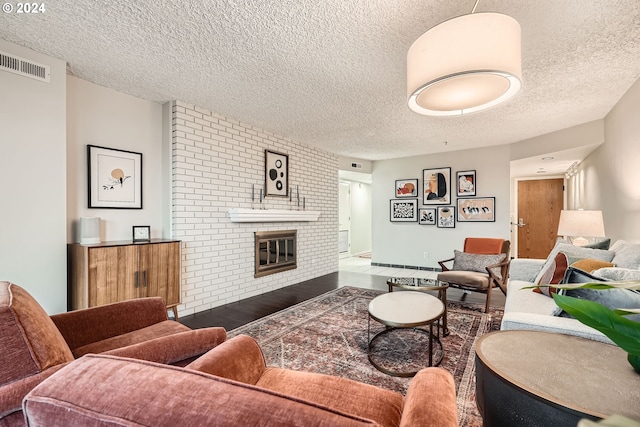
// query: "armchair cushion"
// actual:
[[101, 390], [341, 394], [11, 396], [30, 341], [162, 329], [241, 359], [464, 261], [427, 400], [472, 279], [177, 349], [483, 245], [82, 327]]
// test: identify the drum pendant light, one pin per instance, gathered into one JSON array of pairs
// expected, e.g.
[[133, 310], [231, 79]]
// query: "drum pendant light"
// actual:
[[463, 65]]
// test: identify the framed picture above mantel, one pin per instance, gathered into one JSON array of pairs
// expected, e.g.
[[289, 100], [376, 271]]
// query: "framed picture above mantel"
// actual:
[[115, 178], [276, 174]]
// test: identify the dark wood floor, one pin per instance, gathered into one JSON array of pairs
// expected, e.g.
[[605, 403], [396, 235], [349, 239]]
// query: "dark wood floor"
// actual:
[[236, 314]]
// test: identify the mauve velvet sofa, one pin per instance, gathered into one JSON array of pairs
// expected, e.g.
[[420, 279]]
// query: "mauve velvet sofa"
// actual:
[[230, 386], [33, 346]]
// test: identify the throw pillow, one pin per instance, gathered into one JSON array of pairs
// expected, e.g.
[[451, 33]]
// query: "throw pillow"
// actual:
[[617, 274], [603, 244], [610, 298], [575, 251], [575, 275], [590, 264], [627, 256], [552, 274], [464, 261]]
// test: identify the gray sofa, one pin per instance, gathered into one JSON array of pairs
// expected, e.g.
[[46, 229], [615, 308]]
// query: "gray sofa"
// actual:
[[525, 309]]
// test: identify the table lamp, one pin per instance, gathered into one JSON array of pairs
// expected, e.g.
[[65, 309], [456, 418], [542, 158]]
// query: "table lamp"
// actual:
[[580, 224]]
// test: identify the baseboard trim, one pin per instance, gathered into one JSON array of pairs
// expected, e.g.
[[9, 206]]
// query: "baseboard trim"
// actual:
[[408, 267]]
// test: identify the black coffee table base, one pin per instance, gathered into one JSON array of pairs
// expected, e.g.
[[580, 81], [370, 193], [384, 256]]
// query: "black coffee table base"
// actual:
[[434, 344]]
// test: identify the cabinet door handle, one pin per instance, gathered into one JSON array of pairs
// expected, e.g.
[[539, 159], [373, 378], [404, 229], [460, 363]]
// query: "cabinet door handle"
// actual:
[[135, 275], [144, 278]]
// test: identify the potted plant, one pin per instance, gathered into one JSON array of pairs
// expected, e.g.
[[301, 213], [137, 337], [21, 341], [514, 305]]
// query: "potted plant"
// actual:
[[612, 323]]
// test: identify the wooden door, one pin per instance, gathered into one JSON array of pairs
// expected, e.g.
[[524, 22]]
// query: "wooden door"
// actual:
[[539, 204], [111, 274], [159, 270]]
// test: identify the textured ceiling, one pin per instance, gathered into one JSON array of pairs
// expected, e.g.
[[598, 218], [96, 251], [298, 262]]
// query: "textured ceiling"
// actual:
[[331, 73]]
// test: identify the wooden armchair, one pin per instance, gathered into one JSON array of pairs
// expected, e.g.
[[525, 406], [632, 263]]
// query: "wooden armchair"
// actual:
[[33, 345], [480, 267]]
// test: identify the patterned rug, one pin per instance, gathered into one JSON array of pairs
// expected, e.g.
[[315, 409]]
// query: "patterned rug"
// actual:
[[328, 334]]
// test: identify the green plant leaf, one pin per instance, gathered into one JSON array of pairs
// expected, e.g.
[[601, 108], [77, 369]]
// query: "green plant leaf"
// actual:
[[630, 285], [626, 311], [624, 332]]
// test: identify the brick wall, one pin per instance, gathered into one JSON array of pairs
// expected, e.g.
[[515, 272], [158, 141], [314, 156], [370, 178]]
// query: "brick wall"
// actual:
[[215, 161]]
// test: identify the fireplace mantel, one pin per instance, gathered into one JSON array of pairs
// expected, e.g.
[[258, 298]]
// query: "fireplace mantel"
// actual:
[[271, 215]]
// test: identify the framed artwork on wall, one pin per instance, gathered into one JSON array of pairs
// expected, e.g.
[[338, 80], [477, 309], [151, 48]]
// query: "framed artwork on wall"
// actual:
[[404, 210], [115, 178], [407, 188], [446, 217], [480, 209], [436, 185], [466, 183], [427, 216], [276, 174]]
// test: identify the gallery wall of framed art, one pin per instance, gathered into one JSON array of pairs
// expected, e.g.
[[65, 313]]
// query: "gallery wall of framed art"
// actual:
[[438, 189]]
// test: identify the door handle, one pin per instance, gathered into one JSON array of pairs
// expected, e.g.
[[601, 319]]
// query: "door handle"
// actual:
[[135, 276], [144, 278], [520, 223]]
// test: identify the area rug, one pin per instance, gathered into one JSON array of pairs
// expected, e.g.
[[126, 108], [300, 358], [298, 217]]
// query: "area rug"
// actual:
[[328, 334]]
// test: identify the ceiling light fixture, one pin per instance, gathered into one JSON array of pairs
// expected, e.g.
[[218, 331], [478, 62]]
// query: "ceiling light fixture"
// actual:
[[463, 65]]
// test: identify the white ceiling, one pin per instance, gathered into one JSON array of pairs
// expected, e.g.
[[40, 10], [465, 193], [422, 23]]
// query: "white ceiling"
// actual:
[[332, 73]]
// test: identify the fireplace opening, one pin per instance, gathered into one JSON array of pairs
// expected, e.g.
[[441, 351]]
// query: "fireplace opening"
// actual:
[[275, 251]]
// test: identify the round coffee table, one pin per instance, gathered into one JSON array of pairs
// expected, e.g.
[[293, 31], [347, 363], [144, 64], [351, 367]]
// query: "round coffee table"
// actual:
[[423, 285], [405, 310]]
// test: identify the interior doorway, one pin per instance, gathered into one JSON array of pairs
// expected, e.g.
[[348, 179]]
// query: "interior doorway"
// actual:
[[539, 204], [344, 220]]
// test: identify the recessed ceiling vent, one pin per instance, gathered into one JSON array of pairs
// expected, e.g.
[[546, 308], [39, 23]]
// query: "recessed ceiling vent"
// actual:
[[24, 67]]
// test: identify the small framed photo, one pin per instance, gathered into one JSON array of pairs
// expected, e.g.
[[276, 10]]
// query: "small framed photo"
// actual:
[[404, 210], [407, 188], [479, 209], [276, 174], [466, 183], [141, 233], [427, 216], [436, 185], [446, 217], [115, 178]]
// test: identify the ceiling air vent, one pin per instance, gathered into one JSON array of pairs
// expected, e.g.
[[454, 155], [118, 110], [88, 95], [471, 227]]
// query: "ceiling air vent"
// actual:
[[24, 67]]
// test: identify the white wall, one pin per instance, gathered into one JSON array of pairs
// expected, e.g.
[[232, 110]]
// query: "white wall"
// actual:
[[103, 117], [607, 178], [33, 176], [360, 217], [216, 160], [405, 243], [591, 133]]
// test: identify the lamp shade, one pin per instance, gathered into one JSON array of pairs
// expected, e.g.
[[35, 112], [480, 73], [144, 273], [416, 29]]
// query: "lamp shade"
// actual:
[[466, 64], [581, 224]]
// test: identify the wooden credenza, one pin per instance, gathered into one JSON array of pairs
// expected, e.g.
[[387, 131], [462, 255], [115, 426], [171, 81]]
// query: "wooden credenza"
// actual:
[[117, 271]]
